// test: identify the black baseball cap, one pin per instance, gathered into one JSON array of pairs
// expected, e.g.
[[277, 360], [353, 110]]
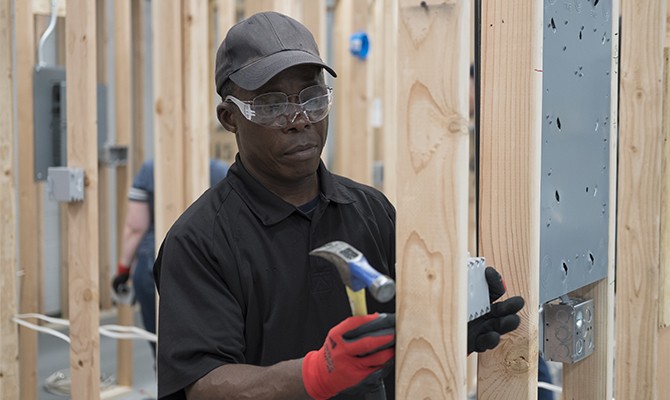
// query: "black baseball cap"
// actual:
[[260, 47]]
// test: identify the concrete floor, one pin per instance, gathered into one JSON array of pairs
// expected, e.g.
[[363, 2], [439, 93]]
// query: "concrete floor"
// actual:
[[54, 356]]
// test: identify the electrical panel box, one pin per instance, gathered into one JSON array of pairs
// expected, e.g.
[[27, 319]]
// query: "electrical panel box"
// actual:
[[576, 137], [568, 330], [50, 120], [65, 184], [478, 288]]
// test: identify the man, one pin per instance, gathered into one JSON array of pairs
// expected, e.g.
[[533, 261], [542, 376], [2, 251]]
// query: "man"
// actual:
[[245, 312], [137, 242]]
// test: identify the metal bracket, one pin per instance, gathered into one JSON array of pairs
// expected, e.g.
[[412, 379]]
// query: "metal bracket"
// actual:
[[478, 288], [113, 155]]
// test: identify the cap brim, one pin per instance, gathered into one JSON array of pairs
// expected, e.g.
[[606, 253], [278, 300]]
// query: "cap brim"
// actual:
[[259, 73]]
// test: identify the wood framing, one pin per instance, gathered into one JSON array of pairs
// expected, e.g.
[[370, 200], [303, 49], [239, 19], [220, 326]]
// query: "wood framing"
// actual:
[[431, 169], [43, 7], [288, 7], [123, 101], [9, 339], [353, 135], [509, 214], [592, 378], [169, 198], [196, 83], [82, 152], [390, 98], [638, 362], [104, 195], [30, 197], [138, 48], [664, 290]]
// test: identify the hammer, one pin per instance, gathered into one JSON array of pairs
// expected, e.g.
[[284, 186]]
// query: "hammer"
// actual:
[[358, 275]]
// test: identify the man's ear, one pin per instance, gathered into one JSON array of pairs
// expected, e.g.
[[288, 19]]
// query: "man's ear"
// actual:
[[224, 113]]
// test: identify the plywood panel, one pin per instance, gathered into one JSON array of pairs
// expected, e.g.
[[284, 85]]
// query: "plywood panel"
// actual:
[[510, 108], [432, 170]]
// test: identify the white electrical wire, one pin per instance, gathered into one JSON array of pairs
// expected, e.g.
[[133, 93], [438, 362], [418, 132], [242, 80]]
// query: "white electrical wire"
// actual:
[[19, 320], [549, 386], [112, 331]]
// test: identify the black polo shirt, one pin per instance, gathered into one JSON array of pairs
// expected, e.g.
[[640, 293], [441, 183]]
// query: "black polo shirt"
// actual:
[[237, 284]]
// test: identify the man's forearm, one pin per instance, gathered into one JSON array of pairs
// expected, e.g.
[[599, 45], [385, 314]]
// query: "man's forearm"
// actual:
[[241, 382]]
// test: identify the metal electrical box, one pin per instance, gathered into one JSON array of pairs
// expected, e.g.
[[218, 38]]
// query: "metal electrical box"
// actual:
[[65, 184], [568, 330]]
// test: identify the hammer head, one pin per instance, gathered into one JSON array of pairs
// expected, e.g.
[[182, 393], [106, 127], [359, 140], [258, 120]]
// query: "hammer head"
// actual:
[[355, 270]]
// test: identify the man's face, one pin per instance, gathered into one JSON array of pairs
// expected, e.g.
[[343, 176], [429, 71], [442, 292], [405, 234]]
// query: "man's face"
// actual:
[[287, 155]]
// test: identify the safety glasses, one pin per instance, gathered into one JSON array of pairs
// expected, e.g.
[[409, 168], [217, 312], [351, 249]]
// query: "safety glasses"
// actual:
[[274, 110]]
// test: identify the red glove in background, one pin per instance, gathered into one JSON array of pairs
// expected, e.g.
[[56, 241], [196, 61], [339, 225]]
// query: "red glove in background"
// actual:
[[121, 278], [354, 349]]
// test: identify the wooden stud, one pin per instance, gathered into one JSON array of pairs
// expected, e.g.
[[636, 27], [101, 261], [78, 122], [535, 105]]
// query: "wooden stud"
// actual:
[[509, 215], [288, 7], [62, 207], [123, 100], [390, 99], [138, 48], [82, 152], [196, 111], [43, 7], [223, 17], [353, 136], [30, 197], [664, 287], [639, 200], [431, 168], [104, 250], [169, 200], [9, 340]]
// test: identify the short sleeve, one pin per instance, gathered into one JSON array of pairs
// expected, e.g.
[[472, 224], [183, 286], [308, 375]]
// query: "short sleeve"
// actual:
[[143, 184]]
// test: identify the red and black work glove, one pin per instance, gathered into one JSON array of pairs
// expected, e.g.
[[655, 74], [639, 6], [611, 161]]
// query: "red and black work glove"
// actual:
[[484, 332], [120, 282], [353, 353]]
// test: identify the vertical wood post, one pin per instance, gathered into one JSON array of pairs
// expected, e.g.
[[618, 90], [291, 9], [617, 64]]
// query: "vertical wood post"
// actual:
[[353, 135], [170, 188], [30, 196], [390, 99], [509, 219], [664, 290], [123, 102], [138, 49], [82, 152], [103, 170], [639, 200], [432, 170], [9, 340], [196, 111]]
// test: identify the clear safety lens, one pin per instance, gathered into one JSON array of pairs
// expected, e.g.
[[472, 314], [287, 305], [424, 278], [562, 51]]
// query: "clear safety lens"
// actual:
[[274, 110]]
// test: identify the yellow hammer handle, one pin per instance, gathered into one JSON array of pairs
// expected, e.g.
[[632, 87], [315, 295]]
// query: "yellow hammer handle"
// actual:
[[357, 301]]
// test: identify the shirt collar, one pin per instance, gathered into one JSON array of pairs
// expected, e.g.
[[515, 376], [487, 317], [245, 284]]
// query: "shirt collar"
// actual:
[[269, 207]]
